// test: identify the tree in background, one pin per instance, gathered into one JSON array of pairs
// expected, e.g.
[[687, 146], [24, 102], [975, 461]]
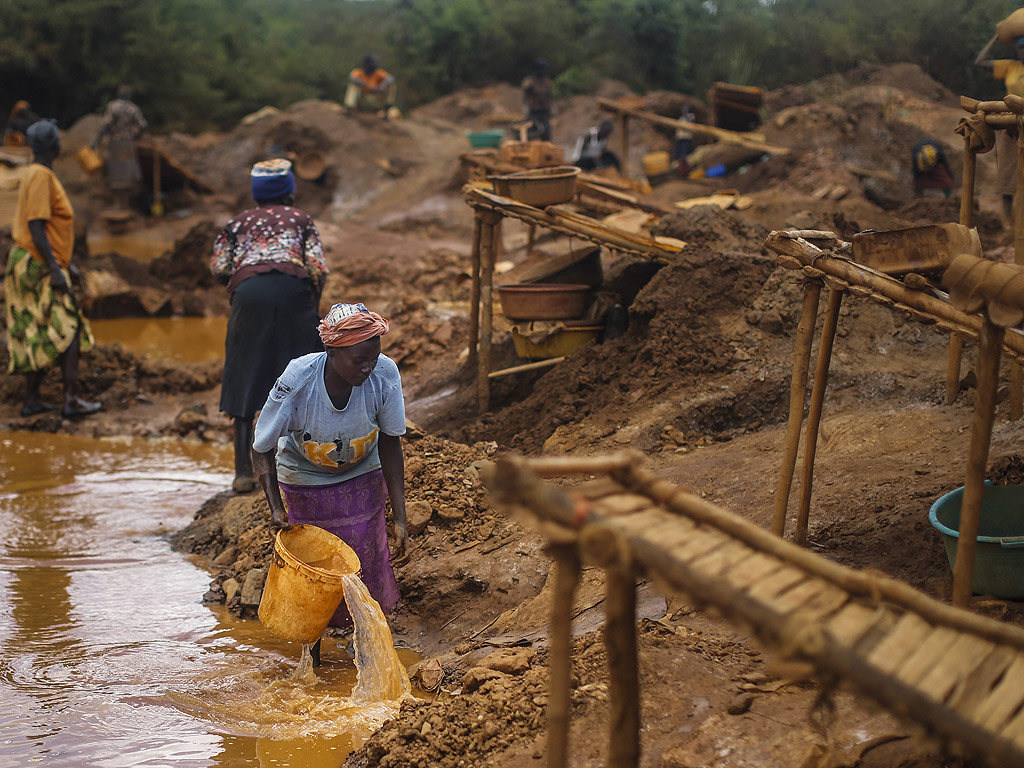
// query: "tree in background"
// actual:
[[198, 64]]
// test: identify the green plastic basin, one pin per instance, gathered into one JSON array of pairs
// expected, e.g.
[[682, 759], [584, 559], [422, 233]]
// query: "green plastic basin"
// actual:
[[999, 559]]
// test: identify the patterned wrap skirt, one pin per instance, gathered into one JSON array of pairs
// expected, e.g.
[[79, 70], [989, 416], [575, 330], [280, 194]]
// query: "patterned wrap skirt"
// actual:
[[41, 323], [353, 511]]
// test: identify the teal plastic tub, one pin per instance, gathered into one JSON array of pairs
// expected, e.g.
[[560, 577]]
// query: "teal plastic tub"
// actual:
[[481, 139], [999, 558]]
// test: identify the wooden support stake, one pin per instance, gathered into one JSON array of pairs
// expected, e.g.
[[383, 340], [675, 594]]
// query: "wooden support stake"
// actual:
[[1016, 390], [474, 296], [990, 346], [797, 398], [488, 238], [567, 578], [623, 667], [956, 353], [967, 193], [531, 237], [828, 335]]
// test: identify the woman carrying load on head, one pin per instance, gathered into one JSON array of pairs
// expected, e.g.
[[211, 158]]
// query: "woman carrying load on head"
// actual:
[[328, 447], [44, 323], [272, 261]]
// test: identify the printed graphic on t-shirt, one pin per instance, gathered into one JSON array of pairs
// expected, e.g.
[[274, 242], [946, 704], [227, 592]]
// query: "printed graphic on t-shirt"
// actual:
[[344, 451]]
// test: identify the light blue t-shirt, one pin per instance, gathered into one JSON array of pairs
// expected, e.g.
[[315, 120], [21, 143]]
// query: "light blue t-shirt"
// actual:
[[318, 444]]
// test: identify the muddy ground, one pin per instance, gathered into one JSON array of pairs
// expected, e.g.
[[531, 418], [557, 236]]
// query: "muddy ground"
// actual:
[[699, 383]]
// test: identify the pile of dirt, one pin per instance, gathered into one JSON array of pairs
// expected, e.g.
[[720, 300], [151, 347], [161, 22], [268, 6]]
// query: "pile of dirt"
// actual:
[[679, 329], [178, 283]]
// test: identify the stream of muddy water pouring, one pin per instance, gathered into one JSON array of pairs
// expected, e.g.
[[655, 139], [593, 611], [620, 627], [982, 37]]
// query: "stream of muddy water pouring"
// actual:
[[287, 707]]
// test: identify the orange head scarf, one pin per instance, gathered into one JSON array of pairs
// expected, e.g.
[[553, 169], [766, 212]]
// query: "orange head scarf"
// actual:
[[348, 324]]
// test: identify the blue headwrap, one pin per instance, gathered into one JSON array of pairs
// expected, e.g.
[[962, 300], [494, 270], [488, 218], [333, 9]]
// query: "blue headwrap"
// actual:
[[43, 135], [272, 179]]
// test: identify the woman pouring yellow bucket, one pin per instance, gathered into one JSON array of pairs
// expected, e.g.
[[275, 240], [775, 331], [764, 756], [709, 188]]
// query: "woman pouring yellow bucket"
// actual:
[[327, 449]]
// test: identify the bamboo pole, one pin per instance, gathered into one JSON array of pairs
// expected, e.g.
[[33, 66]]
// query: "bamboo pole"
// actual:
[[956, 351], [487, 258], [623, 667], [567, 579], [828, 335], [956, 344], [967, 192], [990, 345], [526, 367], [797, 398], [474, 296], [722, 134]]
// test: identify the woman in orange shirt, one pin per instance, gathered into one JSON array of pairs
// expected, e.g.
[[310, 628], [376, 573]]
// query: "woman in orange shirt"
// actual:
[[44, 324]]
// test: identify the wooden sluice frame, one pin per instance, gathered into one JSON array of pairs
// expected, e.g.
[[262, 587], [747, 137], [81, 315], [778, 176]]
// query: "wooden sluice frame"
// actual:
[[958, 674], [978, 314], [489, 211]]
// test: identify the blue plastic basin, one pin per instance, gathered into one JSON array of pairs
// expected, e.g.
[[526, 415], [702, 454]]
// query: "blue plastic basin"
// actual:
[[999, 559]]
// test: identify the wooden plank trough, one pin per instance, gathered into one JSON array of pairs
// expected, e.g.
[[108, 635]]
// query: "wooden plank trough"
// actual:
[[959, 675]]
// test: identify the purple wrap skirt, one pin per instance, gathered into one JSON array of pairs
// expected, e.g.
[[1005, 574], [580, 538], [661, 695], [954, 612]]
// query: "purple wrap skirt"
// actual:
[[353, 511]]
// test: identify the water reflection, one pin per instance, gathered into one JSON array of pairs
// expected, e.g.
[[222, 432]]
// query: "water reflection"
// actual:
[[185, 339], [106, 656]]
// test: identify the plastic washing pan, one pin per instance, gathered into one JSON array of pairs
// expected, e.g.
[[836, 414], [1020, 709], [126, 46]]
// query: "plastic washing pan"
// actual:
[[999, 559]]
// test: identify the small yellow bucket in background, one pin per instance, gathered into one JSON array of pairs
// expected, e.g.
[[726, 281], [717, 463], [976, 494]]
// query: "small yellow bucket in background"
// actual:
[[304, 585], [88, 159], [657, 163]]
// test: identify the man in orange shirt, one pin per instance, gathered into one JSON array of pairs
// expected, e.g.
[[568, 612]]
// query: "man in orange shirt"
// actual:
[[1011, 72], [370, 88]]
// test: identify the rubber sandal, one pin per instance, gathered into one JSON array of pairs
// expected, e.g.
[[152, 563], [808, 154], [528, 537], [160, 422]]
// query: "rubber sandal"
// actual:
[[82, 408], [40, 407]]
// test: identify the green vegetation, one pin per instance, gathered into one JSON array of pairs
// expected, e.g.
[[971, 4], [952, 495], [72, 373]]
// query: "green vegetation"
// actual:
[[203, 63]]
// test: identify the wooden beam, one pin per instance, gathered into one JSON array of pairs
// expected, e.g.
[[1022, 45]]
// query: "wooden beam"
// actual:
[[729, 137]]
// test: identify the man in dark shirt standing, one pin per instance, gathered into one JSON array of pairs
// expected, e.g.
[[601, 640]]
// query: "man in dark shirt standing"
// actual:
[[537, 99]]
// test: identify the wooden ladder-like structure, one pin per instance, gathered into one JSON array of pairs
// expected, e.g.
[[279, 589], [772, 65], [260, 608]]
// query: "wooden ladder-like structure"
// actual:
[[958, 674]]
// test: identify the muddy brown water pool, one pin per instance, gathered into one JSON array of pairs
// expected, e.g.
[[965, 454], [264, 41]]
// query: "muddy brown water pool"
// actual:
[[185, 339], [108, 657]]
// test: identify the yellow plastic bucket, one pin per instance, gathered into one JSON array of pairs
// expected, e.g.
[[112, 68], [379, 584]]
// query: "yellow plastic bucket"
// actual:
[[89, 160], [304, 585]]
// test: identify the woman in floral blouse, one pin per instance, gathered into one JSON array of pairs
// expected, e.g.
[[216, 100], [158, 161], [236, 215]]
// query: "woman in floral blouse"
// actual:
[[271, 259]]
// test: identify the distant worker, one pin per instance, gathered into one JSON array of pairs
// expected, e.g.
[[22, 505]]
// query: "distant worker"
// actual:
[[272, 261], [370, 88], [1011, 72], [123, 123], [592, 151], [44, 323], [682, 143], [20, 119], [537, 92], [932, 173]]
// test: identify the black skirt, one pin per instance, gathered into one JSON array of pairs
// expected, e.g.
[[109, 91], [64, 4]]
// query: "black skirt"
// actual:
[[272, 321]]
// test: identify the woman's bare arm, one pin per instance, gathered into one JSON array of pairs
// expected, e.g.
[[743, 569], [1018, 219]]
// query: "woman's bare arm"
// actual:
[[392, 463]]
